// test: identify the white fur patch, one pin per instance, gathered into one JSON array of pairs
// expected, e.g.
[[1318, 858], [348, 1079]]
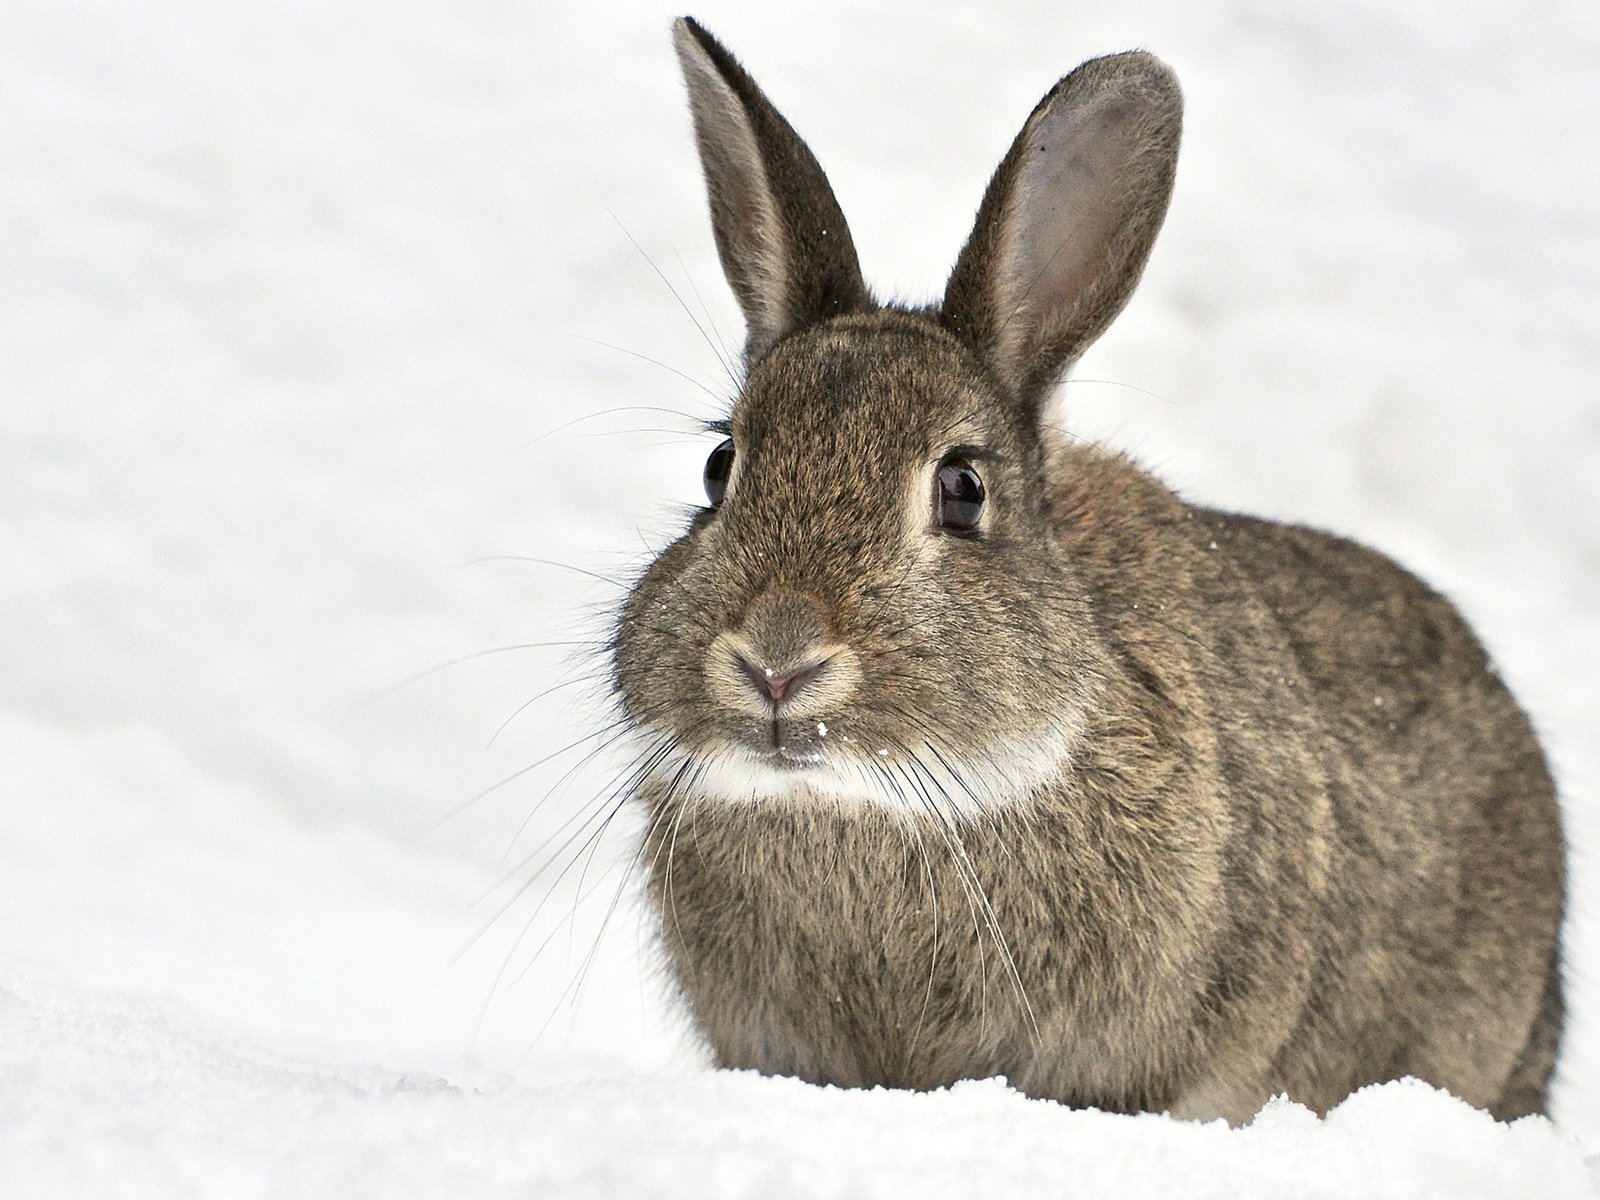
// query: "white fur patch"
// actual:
[[910, 782]]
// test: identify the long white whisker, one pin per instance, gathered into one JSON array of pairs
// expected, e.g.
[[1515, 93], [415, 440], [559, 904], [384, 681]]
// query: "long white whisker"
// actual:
[[957, 846]]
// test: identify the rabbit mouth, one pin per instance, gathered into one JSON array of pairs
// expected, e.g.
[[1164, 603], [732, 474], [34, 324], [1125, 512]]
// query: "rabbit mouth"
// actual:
[[772, 749], [783, 742], [787, 758]]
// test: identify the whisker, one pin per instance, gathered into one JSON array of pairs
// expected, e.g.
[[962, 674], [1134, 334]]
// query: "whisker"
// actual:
[[638, 766], [622, 408], [466, 658], [537, 696], [953, 829], [515, 775], [672, 787], [1132, 387], [936, 820], [620, 797], [661, 275], [684, 375], [729, 362], [933, 954], [542, 562]]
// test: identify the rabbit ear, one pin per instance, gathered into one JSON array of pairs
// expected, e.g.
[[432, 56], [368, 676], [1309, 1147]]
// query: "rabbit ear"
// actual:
[[783, 242], [1068, 220]]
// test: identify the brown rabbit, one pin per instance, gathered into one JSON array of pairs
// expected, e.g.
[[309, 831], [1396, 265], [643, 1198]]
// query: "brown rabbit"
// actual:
[[970, 750]]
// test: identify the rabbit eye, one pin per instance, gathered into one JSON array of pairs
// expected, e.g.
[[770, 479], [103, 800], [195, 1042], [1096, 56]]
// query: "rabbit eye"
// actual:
[[959, 503], [718, 467]]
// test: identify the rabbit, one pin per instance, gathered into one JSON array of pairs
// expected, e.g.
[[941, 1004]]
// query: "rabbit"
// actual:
[[969, 750]]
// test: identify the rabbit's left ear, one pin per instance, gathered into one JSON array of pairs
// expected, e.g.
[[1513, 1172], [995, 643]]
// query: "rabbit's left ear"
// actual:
[[1067, 223], [783, 242]]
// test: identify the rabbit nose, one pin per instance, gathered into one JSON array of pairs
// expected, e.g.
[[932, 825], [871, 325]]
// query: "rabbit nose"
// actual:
[[778, 685], [782, 659]]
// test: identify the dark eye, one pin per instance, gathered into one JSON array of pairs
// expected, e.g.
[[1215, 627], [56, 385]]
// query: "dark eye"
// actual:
[[959, 502], [718, 467]]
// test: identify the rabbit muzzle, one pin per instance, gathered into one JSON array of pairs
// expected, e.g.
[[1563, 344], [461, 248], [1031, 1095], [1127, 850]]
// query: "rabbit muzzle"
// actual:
[[783, 670]]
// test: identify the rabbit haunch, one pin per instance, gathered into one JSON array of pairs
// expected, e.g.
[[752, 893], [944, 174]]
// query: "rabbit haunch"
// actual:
[[1088, 788]]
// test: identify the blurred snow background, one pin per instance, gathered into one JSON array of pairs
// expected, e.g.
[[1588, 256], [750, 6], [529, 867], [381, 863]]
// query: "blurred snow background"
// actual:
[[300, 313]]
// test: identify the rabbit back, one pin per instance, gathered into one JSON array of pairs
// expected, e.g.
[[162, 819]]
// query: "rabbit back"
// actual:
[[1374, 758]]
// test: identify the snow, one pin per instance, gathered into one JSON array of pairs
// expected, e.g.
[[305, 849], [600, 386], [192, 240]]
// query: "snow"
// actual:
[[301, 304], [163, 1104]]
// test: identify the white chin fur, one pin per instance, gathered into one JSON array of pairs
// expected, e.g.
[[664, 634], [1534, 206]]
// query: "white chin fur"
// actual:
[[914, 783]]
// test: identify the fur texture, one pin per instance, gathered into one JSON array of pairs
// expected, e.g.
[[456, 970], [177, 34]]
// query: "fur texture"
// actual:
[[1141, 805]]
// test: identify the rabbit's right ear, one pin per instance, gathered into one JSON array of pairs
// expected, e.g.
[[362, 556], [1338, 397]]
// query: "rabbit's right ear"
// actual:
[[783, 241], [1068, 220]]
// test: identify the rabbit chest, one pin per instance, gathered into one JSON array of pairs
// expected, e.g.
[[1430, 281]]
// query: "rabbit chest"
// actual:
[[859, 949]]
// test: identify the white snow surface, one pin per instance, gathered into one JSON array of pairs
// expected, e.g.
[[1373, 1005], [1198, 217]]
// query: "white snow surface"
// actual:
[[164, 1104], [302, 306]]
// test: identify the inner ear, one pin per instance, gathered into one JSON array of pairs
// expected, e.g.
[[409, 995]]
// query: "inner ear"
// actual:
[[1068, 221], [783, 242]]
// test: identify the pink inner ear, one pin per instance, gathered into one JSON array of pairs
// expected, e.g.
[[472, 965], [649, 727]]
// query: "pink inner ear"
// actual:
[[1066, 251]]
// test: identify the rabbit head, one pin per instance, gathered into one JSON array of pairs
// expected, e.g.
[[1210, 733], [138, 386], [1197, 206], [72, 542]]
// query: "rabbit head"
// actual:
[[872, 609]]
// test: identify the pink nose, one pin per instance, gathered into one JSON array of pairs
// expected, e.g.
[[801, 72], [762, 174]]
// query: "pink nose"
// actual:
[[778, 685]]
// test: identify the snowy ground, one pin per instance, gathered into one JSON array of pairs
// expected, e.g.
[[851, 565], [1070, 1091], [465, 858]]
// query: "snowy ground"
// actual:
[[297, 300]]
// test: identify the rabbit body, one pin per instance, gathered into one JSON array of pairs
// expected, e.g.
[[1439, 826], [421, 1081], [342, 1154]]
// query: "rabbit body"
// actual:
[[1138, 804]]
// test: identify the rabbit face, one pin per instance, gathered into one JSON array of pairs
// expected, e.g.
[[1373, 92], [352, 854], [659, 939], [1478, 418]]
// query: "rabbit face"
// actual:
[[832, 629]]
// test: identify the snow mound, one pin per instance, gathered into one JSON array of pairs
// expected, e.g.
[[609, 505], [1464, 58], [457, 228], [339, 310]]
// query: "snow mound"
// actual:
[[110, 1096]]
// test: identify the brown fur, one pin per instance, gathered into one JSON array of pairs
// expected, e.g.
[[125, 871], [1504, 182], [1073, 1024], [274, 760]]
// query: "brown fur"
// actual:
[[1303, 838]]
